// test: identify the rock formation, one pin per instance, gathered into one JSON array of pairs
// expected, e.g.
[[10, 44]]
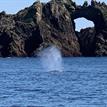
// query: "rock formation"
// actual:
[[93, 41], [40, 25], [87, 41]]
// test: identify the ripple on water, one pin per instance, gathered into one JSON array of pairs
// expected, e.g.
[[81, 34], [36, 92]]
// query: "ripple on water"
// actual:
[[82, 83]]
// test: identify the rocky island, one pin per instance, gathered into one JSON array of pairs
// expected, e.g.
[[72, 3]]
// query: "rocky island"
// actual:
[[42, 24]]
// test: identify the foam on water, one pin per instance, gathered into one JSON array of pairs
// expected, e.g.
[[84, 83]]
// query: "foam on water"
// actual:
[[51, 59]]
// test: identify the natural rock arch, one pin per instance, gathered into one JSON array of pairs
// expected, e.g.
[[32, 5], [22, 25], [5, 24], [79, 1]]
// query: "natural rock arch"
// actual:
[[90, 39], [90, 13]]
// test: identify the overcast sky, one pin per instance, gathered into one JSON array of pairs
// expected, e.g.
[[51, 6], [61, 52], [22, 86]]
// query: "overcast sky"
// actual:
[[13, 6]]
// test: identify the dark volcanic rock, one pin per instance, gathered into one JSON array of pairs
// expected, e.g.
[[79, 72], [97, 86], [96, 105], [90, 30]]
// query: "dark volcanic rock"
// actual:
[[93, 41], [57, 29], [101, 43], [87, 41], [41, 25], [38, 26]]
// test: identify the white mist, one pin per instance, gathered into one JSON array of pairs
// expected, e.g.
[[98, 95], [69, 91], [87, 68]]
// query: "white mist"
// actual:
[[51, 59]]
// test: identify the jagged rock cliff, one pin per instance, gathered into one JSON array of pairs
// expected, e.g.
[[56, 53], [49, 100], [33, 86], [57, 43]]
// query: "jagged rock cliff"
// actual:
[[93, 41], [87, 41], [40, 25]]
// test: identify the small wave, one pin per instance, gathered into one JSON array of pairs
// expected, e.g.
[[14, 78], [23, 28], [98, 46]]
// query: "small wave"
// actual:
[[32, 90], [25, 106]]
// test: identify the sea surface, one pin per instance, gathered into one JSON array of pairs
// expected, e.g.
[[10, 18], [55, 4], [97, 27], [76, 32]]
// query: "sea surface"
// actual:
[[25, 83]]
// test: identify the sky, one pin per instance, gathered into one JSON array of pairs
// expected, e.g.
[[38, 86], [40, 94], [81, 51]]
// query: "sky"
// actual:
[[13, 6]]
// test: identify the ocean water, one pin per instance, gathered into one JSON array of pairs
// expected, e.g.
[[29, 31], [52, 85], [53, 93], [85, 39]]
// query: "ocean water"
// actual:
[[25, 83]]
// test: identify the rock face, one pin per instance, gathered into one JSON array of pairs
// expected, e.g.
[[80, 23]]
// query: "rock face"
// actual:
[[37, 27], [40, 25], [93, 41], [87, 41]]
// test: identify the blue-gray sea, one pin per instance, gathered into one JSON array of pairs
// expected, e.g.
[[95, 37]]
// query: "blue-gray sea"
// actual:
[[81, 83]]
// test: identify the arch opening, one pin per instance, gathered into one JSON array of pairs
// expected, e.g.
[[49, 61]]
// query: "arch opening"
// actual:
[[82, 23]]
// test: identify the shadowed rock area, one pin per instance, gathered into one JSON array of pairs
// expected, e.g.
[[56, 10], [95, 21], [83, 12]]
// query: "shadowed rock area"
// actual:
[[41, 25]]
